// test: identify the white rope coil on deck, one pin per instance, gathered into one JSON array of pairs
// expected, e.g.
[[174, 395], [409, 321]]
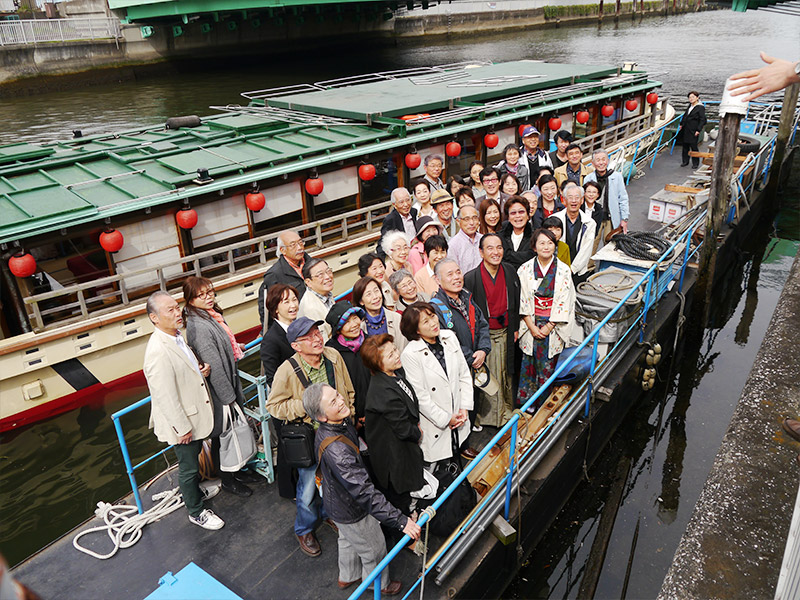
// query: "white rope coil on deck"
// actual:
[[124, 524]]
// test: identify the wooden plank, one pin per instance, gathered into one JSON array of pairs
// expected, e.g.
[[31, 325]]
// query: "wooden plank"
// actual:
[[682, 189]]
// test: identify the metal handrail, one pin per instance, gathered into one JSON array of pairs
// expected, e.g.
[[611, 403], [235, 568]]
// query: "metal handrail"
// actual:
[[514, 464], [34, 31], [260, 385]]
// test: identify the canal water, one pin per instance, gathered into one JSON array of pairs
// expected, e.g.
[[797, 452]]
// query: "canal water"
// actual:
[[53, 473]]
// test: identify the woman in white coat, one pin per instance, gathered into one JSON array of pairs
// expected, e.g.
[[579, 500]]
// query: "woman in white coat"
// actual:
[[435, 367]]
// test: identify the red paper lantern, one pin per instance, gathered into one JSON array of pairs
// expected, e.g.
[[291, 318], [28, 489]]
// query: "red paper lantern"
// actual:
[[366, 172], [490, 140], [22, 265], [631, 105], [314, 186], [607, 110], [186, 218], [554, 124], [652, 98], [111, 240], [255, 201], [413, 160], [582, 117], [452, 149]]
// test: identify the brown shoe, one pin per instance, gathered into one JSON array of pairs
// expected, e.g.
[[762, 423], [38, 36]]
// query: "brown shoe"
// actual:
[[309, 544], [346, 584], [392, 589], [792, 427], [332, 525], [469, 453]]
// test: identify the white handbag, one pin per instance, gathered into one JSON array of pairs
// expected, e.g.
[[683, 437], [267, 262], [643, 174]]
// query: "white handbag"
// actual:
[[237, 444]]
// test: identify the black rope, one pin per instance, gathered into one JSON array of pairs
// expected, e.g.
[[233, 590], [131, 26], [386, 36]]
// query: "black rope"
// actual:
[[642, 245]]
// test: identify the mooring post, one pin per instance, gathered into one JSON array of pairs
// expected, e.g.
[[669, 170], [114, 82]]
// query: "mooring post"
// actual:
[[782, 139], [731, 111]]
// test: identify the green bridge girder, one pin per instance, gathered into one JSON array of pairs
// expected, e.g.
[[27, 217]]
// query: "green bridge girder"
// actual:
[[148, 10]]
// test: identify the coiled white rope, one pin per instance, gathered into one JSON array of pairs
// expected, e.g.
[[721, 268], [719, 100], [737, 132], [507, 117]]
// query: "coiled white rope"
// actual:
[[124, 524]]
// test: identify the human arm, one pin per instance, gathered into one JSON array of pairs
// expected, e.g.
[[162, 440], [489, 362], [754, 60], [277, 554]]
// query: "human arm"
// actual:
[[201, 339], [776, 75], [281, 404], [581, 260], [164, 393], [622, 200], [387, 402], [465, 398], [270, 353]]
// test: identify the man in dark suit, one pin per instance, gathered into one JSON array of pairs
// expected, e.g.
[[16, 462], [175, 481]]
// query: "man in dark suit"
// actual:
[[287, 269], [495, 290], [692, 123], [401, 218]]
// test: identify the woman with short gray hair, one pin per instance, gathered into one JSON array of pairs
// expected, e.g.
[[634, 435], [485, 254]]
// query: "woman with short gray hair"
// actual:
[[405, 290]]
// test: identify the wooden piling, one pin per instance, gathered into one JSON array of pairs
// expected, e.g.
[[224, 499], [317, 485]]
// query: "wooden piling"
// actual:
[[718, 197], [782, 140]]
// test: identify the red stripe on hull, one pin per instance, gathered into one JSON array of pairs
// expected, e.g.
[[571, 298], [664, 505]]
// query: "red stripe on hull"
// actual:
[[94, 393]]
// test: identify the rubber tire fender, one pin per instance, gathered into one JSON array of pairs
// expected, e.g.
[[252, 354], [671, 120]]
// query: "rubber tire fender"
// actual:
[[747, 144], [188, 121]]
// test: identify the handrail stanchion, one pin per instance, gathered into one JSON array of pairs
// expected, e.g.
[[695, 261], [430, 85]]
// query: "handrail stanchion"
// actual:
[[128, 465], [658, 144], [685, 259], [376, 586], [512, 450], [633, 161], [646, 308], [590, 386]]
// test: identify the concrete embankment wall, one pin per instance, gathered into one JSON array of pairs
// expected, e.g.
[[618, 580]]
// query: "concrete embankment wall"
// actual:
[[734, 543], [30, 68]]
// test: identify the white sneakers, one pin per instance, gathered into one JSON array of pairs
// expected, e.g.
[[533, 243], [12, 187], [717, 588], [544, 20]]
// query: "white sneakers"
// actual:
[[207, 520]]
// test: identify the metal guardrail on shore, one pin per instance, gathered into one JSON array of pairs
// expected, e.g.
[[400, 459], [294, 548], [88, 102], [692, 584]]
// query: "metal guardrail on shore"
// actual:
[[57, 30]]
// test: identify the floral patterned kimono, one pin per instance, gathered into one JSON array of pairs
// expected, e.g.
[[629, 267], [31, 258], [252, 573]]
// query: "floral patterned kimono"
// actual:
[[547, 297]]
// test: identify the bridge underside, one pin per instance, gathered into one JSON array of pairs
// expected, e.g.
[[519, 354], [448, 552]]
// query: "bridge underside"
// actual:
[[252, 13]]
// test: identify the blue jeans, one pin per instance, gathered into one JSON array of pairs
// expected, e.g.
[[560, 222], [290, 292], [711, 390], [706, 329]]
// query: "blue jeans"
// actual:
[[309, 504]]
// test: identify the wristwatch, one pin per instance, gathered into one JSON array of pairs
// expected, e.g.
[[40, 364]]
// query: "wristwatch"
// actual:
[[797, 68]]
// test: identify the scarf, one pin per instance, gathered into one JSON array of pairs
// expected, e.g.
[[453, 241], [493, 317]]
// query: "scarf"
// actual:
[[352, 345], [237, 352], [376, 325]]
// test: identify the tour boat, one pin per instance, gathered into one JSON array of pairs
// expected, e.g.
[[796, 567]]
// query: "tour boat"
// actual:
[[90, 226]]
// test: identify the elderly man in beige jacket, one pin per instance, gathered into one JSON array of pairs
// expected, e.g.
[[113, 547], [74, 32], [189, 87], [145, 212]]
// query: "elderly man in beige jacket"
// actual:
[[181, 412]]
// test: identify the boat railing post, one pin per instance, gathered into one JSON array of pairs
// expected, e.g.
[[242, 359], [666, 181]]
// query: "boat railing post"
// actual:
[[512, 450], [318, 235], [231, 263], [658, 145], [82, 304], [261, 384], [590, 384], [768, 162], [162, 282], [685, 257], [344, 228], [123, 291], [376, 586], [37, 314], [633, 161], [128, 464], [646, 307]]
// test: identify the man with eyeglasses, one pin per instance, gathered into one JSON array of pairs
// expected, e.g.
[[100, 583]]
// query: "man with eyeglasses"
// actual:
[[402, 217], [490, 178], [532, 156], [464, 245], [287, 269], [318, 299], [495, 289], [312, 362]]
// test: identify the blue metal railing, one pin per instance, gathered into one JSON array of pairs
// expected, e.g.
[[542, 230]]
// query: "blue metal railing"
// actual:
[[256, 384], [648, 279]]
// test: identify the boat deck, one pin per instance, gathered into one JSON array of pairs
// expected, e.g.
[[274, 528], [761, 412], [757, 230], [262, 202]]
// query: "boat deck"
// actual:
[[256, 554]]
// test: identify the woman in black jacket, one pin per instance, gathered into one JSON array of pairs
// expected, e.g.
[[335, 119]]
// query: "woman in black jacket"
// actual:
[[516, 232], [392, 425], [282, 303], [692, 124], [346, 337]]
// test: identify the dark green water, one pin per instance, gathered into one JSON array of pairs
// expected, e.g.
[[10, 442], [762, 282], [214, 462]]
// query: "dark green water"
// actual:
[[53, 473]]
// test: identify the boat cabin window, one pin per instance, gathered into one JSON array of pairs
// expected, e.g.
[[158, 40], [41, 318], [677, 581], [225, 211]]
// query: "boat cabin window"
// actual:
[[380, 189], [283, 210], [506, 136], [149, 243], [339, 193], [470, 150], [613, 119]]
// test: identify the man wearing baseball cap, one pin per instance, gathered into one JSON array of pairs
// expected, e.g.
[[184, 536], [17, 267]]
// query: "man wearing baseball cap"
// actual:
[[311, 363], [532, 156]]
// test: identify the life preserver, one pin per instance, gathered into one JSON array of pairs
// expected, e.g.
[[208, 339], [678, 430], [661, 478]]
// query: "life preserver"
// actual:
[[417, 116]]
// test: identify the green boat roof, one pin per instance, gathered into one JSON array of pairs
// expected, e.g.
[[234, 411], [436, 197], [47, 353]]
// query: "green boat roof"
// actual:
[[47, 187]]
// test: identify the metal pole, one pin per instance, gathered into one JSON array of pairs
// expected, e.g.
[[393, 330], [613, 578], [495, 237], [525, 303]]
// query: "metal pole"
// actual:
[[655, 153], [128, 465], [646, 305], [511, 452], [590, 384], [633, 161]]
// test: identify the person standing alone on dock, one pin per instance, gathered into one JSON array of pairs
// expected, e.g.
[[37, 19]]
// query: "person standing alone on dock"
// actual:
[[692, 123], [181, 411]]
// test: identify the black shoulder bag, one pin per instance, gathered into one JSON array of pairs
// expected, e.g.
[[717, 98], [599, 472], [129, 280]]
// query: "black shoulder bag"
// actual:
[[297, 436]]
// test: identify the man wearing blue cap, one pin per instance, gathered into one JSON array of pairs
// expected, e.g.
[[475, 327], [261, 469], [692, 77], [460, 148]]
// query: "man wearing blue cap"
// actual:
[[311, 363], [532, 156]]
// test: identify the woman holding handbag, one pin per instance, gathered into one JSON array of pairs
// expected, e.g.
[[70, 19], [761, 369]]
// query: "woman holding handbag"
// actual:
[[213, 342]]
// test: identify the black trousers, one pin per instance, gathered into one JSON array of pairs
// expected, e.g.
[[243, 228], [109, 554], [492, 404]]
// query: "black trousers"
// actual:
[[686, 149]]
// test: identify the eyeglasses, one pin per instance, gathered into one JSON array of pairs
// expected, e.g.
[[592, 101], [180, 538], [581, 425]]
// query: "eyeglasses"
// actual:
[[207, 294], [323, 274], [490, 180], [400, 248], [296, 244], [473, 218], [406, 284]]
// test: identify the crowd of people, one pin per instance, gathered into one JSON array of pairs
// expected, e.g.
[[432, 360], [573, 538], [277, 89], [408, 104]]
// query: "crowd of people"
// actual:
[[472, 281]]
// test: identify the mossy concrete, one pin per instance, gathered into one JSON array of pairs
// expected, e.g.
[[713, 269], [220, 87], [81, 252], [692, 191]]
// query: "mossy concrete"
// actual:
[[734, 543]]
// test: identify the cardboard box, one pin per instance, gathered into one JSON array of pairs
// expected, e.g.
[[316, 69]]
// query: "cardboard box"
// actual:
[[656, 212], [673, 211]]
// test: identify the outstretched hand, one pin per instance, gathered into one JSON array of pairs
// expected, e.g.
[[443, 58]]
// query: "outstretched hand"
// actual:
[[776, 75]]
